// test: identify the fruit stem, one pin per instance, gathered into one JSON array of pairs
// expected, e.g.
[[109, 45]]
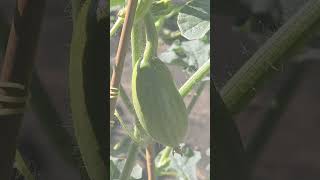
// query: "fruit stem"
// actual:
[[151, 38], [136, 38]]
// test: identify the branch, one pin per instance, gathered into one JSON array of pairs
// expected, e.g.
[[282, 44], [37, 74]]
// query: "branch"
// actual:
[[291, 36]]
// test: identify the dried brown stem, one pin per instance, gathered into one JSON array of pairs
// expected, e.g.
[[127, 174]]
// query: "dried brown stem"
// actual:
[[150, 162], [121, 51]]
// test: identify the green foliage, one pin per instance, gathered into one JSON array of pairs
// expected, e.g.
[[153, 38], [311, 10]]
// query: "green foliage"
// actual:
[[158, 104], [194, 19]]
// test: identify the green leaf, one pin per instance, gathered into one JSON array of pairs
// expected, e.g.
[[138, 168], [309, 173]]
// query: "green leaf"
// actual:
[[194, 19]]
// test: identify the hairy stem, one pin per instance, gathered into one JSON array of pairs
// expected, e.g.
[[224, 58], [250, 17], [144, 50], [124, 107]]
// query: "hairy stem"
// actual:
[[242, 86], [195, 78]]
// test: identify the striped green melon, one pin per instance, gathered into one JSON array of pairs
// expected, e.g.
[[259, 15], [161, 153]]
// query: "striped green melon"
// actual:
[[158, 104]]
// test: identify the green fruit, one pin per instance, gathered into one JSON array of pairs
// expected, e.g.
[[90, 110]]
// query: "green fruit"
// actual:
[[142, 8], [157, 102]]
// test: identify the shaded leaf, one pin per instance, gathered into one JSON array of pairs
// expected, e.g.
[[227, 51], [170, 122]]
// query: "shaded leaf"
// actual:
[[194, 19]]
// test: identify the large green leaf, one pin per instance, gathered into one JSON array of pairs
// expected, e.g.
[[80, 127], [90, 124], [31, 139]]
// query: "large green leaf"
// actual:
[[194, 19]]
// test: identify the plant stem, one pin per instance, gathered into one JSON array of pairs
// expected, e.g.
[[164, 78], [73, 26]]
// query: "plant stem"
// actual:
[[116, 26], [165, 155], [130, 162], [195, 78], [196, 96], [136, 42], [242, 86], [75, 5], [150, 162], [121, 52]]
